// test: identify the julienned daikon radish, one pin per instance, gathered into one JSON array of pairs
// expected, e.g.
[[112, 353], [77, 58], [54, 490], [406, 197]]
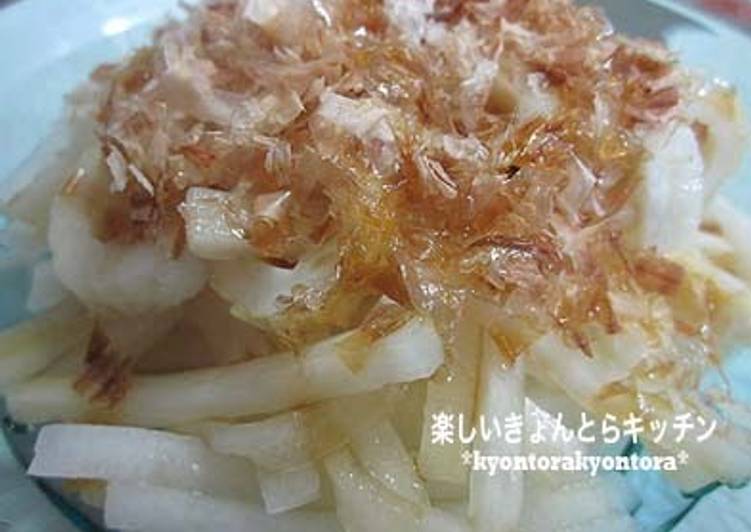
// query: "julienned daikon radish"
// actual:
[[158, 509], [725, 457], [495, 502], [280, 446], [365, 505], [276, 443], [127, 454], [560, 366], [290, 488], [261, 385], [400, 349], [298, 305], [259, 288], [347, 364], [209, 229], [285, 446], [571, 499], [30, 347], [451, 392], [382, 454], [266, 384], [407, 417]]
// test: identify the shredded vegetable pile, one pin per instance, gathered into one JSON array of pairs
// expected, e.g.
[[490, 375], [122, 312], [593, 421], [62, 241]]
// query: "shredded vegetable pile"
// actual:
[[289, 233]]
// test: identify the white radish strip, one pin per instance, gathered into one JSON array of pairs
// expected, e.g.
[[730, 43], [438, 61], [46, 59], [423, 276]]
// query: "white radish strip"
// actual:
[[158, 509], [364, 504], [407, 417], [358, 413], [715, 247], [569, 497], [69, 365], [293, 439], [199, 429], [495, 502], [726, 456], [736, 227], [264, 385], [673, 191], [133, 336], [552, 399], [452, 392], [413, 352], [724, 143], [228, 338], [285, 490], [537, 419], [279, 382], [45, 399], [732, 312], [46, 289], [382, 454], [277, 443], [448, 491], [136, 455], [258, 287], [209, 230], [30, 347], [457, 509], [555, 364]]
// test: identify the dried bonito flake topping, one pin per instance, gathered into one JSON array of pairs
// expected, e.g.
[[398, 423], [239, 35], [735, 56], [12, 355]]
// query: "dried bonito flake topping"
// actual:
[[447, 149]]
